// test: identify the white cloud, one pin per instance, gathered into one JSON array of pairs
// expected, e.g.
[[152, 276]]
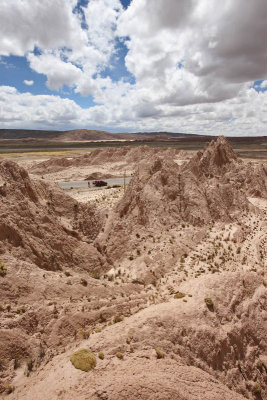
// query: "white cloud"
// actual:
[[28, 83], [58, 72], [243, 115], [46, 24], [194, 62], [263, 84]]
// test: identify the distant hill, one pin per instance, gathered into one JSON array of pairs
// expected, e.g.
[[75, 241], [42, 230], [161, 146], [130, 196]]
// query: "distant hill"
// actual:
[[84, 135], [87, 135]]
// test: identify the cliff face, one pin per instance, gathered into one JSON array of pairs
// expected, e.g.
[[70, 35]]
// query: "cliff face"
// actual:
[[177, 266], [162, 195], [39, 223]]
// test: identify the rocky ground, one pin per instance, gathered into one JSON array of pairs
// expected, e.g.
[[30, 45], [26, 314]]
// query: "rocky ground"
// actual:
[[167, 280]]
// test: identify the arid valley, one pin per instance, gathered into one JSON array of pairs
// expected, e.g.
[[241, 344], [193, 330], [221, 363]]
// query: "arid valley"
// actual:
[[160, 280]]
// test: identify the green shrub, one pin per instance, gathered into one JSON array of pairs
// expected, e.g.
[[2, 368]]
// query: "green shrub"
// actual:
[[83, 359], [117, 318], [256, 388], [101, 355], [119, 355], [179, 295], [209, 302], [21, 310], [95, 274], [159, 353], [102, 318], [3, 269]]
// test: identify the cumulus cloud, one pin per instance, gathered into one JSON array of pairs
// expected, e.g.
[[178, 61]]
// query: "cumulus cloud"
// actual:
[[45, 24], [58, 72], [244, 115], [194, 62], [28, 83], [219, 47]]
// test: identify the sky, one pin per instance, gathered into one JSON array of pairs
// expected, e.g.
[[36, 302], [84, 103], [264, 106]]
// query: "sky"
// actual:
[[192, 66]]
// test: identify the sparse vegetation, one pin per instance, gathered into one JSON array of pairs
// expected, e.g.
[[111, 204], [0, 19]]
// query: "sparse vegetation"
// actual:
[[159, 353], [102, 318], [101, 355], [95, 274], [119, 355], [3, 269], [256, 388], [83, 359], [179, 295], [117, 318], [209, 302], [21, 310]]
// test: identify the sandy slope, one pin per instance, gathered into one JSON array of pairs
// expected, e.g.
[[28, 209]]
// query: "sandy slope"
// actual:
[[153, 243]]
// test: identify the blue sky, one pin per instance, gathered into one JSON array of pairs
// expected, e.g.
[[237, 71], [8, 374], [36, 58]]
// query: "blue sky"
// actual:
[[15, 70], [124, 65]]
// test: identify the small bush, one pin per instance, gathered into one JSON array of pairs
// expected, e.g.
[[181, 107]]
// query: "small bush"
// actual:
[[209, 302], [260, 364], [179, 295], [101, 355], [102, 318], [95, 274], [159, 353], [8, 388], [119, 355], [3, 269], [21, 310], [83, 359], [117, 318], [256, 388], [83, 282], [86, 334]]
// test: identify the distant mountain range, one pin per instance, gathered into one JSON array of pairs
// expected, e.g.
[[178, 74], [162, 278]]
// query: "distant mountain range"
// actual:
[[82, 135], [86, 135]]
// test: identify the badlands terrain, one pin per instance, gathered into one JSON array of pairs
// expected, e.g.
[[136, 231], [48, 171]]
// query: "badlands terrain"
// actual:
[[163, 281]]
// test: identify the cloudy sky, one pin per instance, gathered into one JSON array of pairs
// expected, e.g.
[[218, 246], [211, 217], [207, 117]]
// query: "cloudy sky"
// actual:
[[197, 66]]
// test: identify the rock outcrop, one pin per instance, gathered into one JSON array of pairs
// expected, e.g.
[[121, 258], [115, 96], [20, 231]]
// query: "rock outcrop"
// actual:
[[177, 266], [39, 223], [125, 154], [162, 195], [218, 160]]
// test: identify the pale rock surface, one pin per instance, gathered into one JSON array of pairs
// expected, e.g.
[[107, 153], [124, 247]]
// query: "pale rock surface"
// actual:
[[198, 229]]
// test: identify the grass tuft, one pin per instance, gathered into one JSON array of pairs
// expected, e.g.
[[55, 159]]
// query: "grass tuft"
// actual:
[[83, 359]]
